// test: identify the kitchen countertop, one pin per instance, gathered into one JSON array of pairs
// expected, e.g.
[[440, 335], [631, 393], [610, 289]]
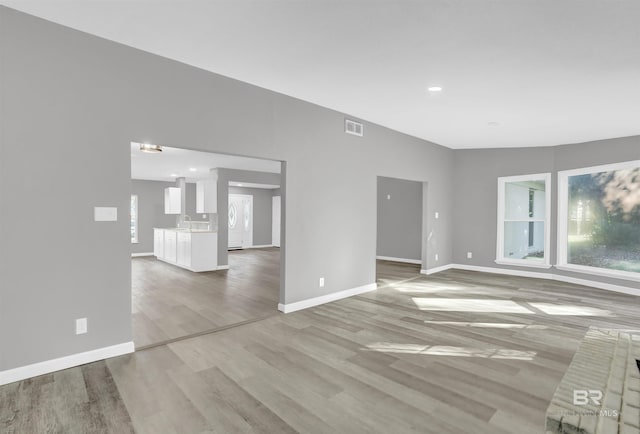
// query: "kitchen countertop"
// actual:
[[190, 231]]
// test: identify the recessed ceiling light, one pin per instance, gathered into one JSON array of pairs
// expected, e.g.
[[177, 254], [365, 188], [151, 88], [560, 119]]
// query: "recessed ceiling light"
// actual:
[[152, 149], [192, 169], [174, 175], [434, 89]]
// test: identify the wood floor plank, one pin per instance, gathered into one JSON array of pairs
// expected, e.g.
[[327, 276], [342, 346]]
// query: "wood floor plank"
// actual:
[[171, 302], [381, 362], [77, 400]]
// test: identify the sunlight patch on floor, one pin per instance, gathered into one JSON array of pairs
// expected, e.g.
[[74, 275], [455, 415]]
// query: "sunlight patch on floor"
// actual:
[[469, 305], [570, 309], [489, 325], [427, 289], [450, 351]]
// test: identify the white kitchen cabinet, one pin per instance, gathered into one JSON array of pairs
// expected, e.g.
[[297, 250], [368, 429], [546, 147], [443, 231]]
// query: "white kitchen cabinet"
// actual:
[[195, 251], [184, 249], [204, 251], [207, 196], [172, 200], [170, 246], [158, 243]]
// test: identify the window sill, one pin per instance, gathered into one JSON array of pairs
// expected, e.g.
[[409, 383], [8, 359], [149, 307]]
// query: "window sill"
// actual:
[[522, 263], [614, 274]]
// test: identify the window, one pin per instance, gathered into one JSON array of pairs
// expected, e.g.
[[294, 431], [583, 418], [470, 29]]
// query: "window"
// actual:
[[599, 220], [523, 220], [134, 218], [233, 216]]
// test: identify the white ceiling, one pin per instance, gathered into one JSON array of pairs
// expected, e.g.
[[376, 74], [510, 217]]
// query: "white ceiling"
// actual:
[[174, 163], [546, 71]]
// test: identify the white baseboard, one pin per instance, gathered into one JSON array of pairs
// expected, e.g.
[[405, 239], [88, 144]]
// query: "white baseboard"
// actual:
[[405, 260], [599, 285], [436, 269], [316, 301], [258, 246], [48, 366], [222, 267], [538, 275], [136, 255], [509, 272]]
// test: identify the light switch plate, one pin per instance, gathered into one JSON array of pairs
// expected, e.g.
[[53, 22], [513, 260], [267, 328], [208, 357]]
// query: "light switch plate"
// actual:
[[321, 282], [105, 214], [437, 215], [81, 326]]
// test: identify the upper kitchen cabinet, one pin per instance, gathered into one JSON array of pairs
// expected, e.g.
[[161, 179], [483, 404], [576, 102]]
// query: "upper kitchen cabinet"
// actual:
[[172, 200], [207, 196]]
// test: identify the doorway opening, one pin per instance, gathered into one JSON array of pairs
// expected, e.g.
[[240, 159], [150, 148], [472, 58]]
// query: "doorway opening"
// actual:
[[186, 281], [401, 241]]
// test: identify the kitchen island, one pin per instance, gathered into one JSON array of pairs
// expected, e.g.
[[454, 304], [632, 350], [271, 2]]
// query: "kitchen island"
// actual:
[[194, 250]]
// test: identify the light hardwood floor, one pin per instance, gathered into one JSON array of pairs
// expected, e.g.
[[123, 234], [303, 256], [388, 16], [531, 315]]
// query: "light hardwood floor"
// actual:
[[456, 352], [170, 302]]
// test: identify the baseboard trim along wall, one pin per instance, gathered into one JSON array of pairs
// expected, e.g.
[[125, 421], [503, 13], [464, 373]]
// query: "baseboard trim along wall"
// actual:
[[405, 260], [136, 255], [599, 285], [257, 246], [507, 271], [537, 275], [48, 366], [436, 269], [316, 301]]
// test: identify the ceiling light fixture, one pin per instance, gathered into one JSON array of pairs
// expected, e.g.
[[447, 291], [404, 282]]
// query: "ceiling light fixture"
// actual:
[[192, 169], [434, 89], [152, 149], [174, 175]]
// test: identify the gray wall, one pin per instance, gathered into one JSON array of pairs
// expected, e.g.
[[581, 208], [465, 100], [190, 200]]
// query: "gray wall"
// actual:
[[262, 213], [71, 103], [476, 193], [151, 210], [399, 232]]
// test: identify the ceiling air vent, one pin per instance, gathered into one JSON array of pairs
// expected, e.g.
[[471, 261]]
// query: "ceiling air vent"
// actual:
[[353, 127]]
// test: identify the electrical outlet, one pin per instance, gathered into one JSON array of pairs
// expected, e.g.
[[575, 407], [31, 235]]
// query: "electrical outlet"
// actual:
[[321, 283], [436, 257], [469, 255], [388, 197], [81, 326]]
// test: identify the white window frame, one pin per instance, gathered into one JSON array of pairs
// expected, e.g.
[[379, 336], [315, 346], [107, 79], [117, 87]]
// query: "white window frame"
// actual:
[[500, 258], [563, 215], [135, 218]]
